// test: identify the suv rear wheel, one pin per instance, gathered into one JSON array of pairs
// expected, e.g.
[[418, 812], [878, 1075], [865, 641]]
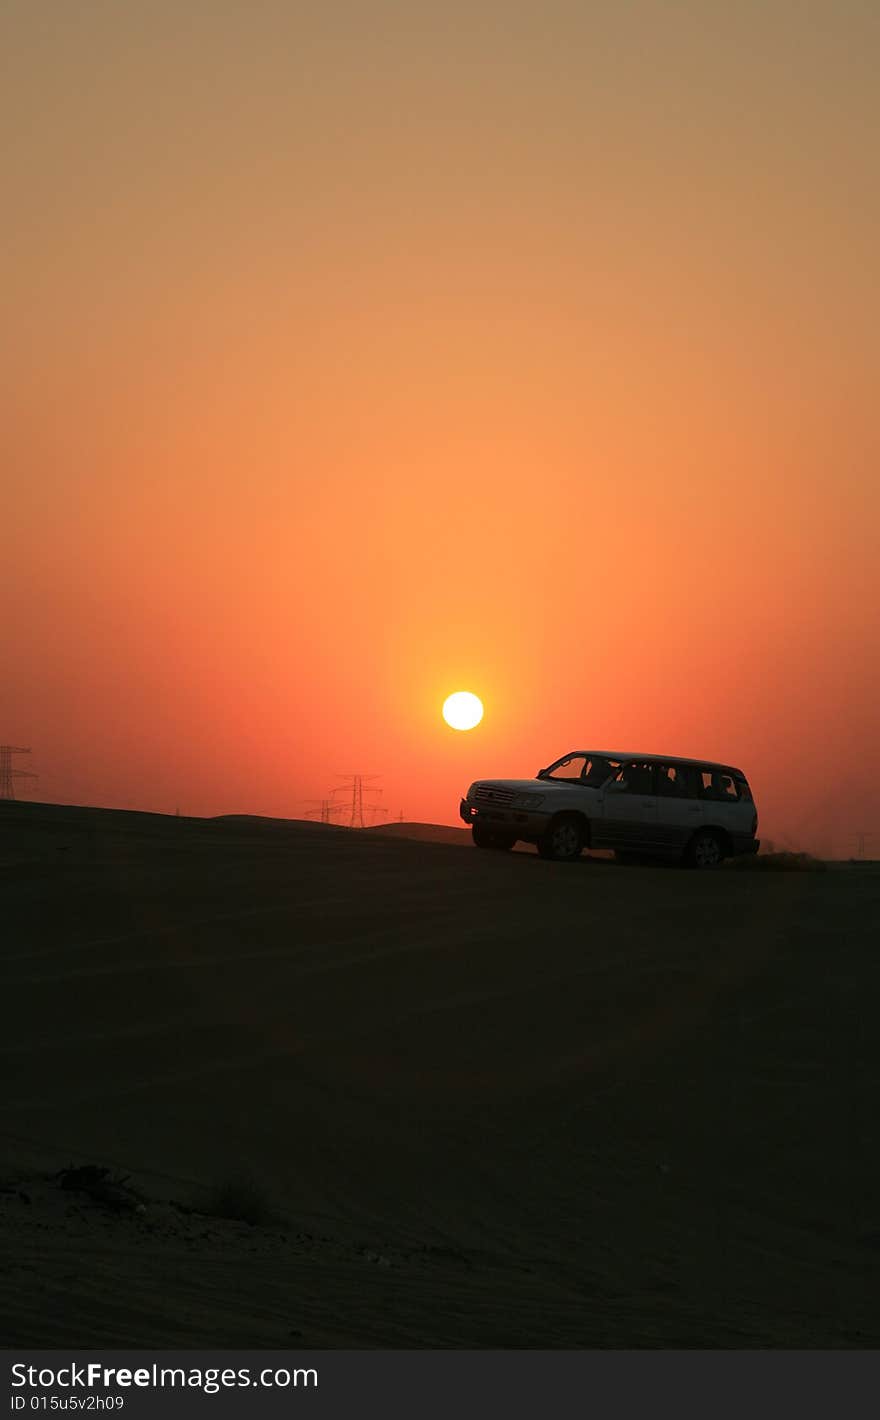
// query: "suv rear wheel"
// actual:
[[564, 839], [705, 850]]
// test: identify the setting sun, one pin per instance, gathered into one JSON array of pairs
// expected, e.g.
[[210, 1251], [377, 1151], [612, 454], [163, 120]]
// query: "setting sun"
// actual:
[[462, 711]]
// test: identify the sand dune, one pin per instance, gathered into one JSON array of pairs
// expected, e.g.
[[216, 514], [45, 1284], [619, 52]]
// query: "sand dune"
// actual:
[[486, 1100], [426, 833]]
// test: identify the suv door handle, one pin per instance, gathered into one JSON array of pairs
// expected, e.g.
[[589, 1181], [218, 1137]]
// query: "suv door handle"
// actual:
[[647, 803], [694, 809]]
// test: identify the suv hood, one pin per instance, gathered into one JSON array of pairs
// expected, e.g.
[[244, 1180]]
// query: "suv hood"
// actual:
[[529, 786]]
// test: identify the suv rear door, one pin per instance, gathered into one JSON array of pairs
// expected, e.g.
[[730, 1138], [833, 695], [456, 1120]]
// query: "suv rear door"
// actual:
[[679, 810], [726, 801]]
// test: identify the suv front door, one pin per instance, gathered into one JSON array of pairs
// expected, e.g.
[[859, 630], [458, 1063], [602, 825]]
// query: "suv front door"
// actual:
[[629, 809]]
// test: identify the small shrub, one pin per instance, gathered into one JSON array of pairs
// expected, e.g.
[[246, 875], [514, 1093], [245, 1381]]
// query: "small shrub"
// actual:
[[779, 863], [113, 1191]]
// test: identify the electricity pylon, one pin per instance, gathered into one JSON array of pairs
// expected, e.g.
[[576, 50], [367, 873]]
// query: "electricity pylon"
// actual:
[[8, 775], [861, 838], [354, 785], [325, 811]]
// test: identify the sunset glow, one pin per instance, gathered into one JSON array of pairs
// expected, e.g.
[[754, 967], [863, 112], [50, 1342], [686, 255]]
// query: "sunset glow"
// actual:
[[373, 361]]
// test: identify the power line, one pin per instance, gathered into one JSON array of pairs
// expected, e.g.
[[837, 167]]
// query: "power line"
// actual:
[[8, 774]]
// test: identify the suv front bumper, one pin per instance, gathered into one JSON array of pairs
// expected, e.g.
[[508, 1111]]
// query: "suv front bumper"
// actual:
[[524, 823]]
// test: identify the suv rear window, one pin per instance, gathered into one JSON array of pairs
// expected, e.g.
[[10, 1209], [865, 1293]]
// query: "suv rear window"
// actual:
[[718, 785]]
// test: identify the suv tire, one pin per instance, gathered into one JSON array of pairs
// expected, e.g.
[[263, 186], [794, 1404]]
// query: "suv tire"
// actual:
[[564, 839], [705, 849]]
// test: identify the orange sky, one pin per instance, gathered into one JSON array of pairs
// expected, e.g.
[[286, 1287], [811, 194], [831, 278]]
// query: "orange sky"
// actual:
[[357, 357]]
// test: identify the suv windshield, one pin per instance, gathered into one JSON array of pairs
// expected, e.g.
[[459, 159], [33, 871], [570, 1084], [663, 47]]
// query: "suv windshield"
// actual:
[[588, 769]]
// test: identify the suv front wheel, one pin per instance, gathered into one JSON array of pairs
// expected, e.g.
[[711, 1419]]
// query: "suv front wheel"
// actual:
[[564, 839]]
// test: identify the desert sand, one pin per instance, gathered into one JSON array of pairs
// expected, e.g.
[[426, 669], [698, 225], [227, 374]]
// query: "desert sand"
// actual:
[[470, 1099]]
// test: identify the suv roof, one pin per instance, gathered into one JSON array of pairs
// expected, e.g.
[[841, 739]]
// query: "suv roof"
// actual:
[[658, 758]]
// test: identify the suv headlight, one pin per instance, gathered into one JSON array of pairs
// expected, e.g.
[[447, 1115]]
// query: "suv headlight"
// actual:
[[528, 801]]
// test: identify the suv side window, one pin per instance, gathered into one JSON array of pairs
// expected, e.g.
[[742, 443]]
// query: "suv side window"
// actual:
[[570, 770], [674, 781], [714, 784], [636, 777]]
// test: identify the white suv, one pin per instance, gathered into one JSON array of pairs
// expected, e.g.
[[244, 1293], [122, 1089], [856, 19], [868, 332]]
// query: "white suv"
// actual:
[[634, 803]]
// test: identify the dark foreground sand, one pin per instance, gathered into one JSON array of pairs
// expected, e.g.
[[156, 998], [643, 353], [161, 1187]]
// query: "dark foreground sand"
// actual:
[[492, 1101]]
